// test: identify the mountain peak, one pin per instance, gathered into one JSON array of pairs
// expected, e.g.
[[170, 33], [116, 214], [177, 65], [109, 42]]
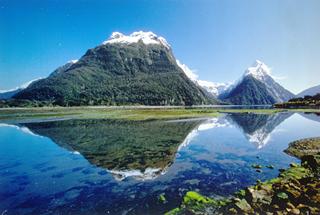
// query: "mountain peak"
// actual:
[[257, 62], [257, 87], [146, 37], [258, 70]]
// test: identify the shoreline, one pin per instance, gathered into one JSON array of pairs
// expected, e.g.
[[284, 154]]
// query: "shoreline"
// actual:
[[142, 107], [294, 191], [137, 113]]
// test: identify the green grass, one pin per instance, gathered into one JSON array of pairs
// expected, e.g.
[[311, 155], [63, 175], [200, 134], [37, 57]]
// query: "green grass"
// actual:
[[131, 113], [104, 113]]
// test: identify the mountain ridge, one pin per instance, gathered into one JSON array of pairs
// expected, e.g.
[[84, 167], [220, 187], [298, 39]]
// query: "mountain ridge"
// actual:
[[131, 69], [139, 70], [309, 91]]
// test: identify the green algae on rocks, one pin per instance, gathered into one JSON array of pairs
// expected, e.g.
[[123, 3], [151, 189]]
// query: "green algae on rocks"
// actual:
[[195, 203]]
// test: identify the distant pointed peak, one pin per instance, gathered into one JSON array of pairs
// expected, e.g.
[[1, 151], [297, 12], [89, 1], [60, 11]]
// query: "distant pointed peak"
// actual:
[[146, 37], [258, 70]]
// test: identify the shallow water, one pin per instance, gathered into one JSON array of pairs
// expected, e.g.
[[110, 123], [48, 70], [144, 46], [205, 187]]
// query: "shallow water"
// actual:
[[119, 167]]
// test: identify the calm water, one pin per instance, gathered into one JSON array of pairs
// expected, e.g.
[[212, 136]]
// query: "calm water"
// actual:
[[118, 167]]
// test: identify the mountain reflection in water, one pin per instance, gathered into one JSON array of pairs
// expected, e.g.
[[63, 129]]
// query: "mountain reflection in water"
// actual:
[[144, 150], [125, 148], [121, 167], [258, 127]]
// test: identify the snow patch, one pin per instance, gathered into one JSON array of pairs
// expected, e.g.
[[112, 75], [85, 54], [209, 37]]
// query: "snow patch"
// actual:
[[191, 74], [215, 89], [21, 87], [188, 139], [147, 174], [258, 70], [259, 138], [76, 153], [73, 61], [206, 125], [213, 123], [146, 37]]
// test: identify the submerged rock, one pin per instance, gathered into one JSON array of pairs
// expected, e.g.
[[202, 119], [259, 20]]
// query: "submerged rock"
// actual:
[[162, 198], [256, 166]]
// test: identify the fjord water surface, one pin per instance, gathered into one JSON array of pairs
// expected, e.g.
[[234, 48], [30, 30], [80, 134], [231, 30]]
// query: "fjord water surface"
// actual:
[[121, 167]]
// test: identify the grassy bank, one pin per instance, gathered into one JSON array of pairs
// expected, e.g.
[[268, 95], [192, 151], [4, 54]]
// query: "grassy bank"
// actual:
[[23, 114], [126, 113]]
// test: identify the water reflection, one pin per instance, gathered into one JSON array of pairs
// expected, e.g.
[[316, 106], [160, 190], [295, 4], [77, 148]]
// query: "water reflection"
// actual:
[[142, 150], [311, 116], [20, 128], [73, 170], [258, 127]]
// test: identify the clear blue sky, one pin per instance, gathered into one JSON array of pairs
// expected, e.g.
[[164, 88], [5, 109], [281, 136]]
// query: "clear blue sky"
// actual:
[[219, 39]]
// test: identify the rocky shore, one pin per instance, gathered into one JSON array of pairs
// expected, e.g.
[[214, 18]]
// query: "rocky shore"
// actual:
[[295, 191]]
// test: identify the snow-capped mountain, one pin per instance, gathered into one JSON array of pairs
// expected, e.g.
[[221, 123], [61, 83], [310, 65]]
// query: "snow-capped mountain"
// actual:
[[310, 91], [7, 94], [135, 37], [139, 68], [259, 71], [256, 87], [214, 89]]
